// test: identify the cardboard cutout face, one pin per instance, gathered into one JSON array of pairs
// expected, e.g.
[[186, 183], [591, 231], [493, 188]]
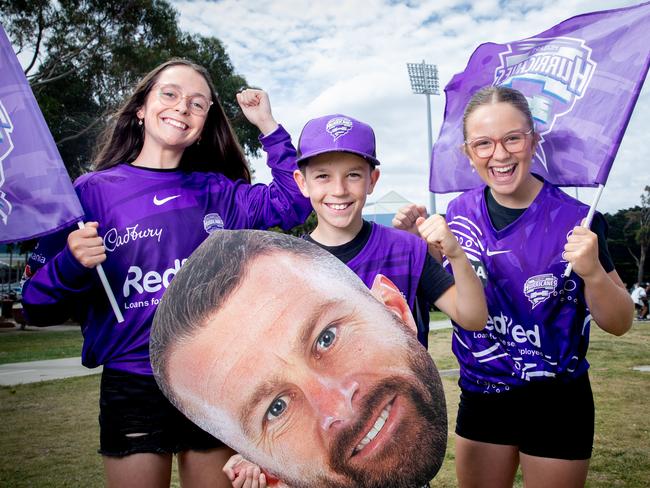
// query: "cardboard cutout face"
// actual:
[[301, 368]]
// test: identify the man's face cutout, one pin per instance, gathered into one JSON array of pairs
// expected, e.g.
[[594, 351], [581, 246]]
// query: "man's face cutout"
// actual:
[[318, 382]]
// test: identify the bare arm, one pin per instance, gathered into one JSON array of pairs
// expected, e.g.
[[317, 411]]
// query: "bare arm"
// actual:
[[609, 302], [464, 302]]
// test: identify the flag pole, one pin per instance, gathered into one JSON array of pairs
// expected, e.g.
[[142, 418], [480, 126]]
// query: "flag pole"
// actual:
[[587, 223], [107, 287]]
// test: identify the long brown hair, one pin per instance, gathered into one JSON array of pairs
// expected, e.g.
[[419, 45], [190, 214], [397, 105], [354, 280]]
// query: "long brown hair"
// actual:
[[218, 152]]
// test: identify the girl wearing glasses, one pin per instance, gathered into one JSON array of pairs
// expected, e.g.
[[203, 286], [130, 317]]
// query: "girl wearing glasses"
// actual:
[[525, 392], [169, 172]]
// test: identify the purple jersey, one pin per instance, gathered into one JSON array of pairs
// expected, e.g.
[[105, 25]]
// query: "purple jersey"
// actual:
[[151, 221], [396, 254], [538, 324]]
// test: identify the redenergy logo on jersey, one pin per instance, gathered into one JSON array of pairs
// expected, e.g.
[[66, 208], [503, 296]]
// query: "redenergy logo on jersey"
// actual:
[[146, 285], [6, 146], [556, 72]]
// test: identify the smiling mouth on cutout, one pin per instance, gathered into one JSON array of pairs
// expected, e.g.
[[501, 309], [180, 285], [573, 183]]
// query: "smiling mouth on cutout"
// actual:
[[376, 428], [174, 123]]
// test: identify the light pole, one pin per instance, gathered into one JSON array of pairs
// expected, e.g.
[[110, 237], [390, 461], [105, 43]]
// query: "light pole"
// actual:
[[424, 80]]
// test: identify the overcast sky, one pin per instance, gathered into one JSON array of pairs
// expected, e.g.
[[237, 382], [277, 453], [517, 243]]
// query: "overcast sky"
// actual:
[[321, 57]]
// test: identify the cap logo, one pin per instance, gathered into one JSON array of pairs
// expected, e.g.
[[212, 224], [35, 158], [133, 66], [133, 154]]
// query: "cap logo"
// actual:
[[338, 126]]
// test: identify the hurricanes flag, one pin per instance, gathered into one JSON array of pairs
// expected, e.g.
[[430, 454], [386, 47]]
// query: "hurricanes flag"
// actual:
[[582, 79], [36, 195]]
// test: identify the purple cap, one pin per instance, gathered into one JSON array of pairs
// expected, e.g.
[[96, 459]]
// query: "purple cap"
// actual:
[[337, 133]]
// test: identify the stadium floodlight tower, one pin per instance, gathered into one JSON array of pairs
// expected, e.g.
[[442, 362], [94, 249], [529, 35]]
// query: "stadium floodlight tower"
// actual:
[[424, 80]]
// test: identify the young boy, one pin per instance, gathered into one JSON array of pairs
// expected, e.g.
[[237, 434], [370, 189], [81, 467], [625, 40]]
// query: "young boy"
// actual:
[[337, 170]]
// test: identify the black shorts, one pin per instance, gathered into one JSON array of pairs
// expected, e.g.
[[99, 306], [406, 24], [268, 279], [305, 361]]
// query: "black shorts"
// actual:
[[135, 417], [550, 419]]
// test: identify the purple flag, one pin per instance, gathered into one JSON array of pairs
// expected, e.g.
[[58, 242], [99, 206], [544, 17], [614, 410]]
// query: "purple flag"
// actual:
[[36, 195], [581, 78]]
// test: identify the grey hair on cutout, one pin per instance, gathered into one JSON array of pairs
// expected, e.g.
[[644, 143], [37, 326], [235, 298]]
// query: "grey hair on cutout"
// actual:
[[211, 274]]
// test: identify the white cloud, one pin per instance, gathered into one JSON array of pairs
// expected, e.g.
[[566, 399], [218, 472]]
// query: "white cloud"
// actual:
[[349, 57]]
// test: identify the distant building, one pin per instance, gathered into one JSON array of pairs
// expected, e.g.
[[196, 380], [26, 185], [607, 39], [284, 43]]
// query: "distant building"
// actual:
[[384, 209]]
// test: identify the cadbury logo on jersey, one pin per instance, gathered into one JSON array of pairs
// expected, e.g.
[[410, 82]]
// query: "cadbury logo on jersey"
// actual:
[[113, 239], [539, 288]]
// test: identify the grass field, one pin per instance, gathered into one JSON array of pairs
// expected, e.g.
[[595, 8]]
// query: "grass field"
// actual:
[[31, 345], [49, 432]]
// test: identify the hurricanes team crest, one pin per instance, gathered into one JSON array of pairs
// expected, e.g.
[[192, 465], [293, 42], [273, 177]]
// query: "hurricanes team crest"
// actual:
[[338, 126], [6, 146], [539, 288], [552, 72], [212, 222]]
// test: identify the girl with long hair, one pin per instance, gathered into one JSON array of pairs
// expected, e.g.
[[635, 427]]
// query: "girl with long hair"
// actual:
[[169, 171]]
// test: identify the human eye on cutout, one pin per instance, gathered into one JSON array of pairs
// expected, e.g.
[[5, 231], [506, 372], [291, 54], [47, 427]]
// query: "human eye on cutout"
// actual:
[[325, 339], [277, 408]]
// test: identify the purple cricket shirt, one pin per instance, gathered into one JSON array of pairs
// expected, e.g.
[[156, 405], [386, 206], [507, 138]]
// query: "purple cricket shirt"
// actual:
[[538, 324], [151, 221]]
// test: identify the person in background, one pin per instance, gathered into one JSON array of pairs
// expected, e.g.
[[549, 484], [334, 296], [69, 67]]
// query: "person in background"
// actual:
[[639, 296]]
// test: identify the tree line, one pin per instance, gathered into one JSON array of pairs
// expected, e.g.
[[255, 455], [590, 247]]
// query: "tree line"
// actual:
[[84, 56]]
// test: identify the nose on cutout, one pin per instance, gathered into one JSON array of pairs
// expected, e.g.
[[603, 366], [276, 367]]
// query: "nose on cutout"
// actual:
[[334, 403]]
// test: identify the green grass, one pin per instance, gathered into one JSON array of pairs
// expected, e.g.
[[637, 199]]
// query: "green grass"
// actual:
[[49, 432], [437, 315], [621, 456], [30, 345]]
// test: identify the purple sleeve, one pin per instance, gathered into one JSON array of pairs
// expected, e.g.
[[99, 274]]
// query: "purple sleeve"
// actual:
[[57, 278], [280, 203]]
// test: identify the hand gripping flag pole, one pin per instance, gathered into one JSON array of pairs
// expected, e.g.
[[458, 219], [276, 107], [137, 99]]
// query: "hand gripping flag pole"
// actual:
[[587, 222], [107, 287]]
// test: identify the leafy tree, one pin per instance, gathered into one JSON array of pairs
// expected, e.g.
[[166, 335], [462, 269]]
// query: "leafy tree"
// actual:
[[83, 57]]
